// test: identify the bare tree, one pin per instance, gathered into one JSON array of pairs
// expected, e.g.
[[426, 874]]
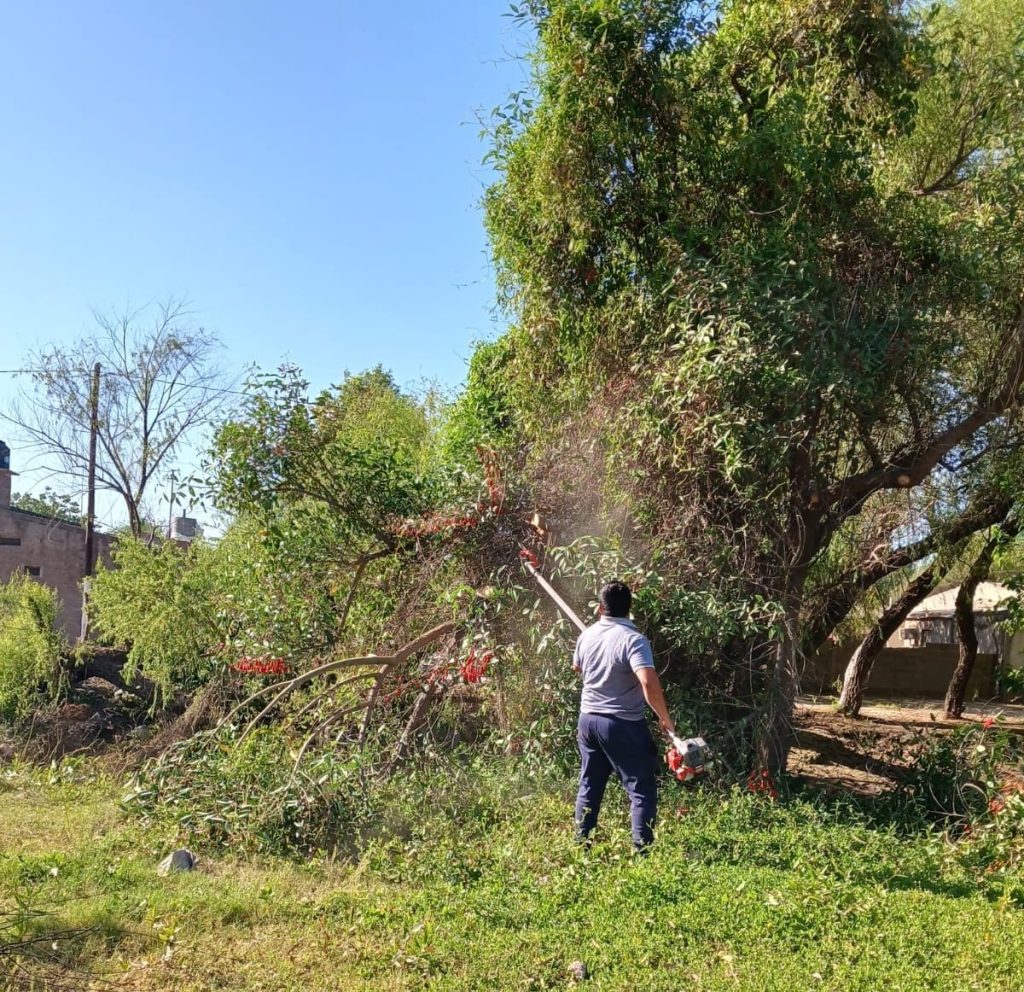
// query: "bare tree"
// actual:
[[159, 382]]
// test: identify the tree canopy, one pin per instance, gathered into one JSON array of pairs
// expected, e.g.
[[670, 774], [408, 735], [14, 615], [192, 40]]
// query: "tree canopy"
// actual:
[[770, 260], [50, 503]]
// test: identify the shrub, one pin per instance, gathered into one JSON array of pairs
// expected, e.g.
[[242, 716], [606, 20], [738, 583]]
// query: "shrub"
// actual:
[[955, 776], [212, 791], [1011, 685], [30, 646], [970, 783], [159, 603]]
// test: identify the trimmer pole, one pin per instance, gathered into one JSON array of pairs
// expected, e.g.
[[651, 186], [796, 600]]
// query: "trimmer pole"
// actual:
[[528, 562]]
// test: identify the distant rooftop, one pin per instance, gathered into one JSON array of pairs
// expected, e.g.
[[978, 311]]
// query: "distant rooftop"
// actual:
[[987, 598], [44, 516]]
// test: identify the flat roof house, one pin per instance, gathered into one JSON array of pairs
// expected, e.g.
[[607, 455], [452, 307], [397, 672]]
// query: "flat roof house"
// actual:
[[933, 621], [51, 551]]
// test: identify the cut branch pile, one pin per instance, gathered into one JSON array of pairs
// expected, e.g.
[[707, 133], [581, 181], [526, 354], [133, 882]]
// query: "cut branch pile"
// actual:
[[369, 673]]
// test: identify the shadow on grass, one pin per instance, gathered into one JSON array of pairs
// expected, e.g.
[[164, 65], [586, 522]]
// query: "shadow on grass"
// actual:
[[894, 812], [41, 949]]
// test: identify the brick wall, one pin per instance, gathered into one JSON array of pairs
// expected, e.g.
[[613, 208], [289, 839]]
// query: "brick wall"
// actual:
[[914, 672], [57, 550]]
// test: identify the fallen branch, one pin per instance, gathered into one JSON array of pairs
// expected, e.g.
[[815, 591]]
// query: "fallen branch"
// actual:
[[378, 667]]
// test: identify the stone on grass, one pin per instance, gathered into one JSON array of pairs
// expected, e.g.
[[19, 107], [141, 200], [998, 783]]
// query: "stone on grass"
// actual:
[[180, 860], [577, 971]]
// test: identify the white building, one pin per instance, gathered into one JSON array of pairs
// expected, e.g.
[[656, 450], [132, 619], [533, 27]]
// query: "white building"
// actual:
[[933, 621]]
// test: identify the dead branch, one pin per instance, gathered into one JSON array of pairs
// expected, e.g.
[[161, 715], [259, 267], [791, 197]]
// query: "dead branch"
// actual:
[[300, 680], [416, 720], [379, 666]]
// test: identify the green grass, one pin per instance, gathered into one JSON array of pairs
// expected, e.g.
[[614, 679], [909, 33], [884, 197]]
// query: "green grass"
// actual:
[[740, 894]]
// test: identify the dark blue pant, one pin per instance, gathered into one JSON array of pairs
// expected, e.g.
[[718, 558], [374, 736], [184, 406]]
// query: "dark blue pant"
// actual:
[[608, 744]]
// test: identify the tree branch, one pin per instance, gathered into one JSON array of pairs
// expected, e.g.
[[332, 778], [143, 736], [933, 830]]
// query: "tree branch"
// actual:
[[853, 583], [911, 465]]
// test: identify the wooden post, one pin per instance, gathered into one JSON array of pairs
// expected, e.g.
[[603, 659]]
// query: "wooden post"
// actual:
[[90, 510]]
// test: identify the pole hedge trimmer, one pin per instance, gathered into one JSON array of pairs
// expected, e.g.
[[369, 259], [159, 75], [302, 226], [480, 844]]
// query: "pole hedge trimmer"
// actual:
[[530, 563], [688, 757]]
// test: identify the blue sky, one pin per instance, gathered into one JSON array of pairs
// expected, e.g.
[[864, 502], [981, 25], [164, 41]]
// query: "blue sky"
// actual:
[[306, 173]]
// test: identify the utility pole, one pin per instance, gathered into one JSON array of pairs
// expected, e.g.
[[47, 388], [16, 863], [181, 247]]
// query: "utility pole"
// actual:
[[90, 509], [170, 512]]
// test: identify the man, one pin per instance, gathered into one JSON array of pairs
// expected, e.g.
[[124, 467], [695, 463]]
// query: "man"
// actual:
[[617, 667]]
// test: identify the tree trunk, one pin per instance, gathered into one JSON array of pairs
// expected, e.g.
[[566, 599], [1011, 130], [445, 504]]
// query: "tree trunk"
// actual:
[[776, 736], [858, 671], [966, 631], [134, 518], [967, 635]]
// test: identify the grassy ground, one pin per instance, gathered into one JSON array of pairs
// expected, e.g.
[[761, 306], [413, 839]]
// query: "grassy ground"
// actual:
[[741, 894]]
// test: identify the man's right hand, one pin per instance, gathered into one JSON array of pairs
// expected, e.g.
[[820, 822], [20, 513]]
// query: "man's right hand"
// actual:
[[655, 697]]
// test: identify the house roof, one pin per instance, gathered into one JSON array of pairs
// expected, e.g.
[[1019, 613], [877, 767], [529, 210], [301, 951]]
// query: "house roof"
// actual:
[[43, 516], [987, 598]]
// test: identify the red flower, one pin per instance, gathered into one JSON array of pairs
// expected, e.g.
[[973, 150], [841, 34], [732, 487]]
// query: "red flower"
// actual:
[[988, 723]]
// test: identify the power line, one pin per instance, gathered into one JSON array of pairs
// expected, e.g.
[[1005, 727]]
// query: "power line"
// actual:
[[124, 375], [220, 390]]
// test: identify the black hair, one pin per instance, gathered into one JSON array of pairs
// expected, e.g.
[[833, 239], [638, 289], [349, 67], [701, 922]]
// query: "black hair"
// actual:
[[615, 599]]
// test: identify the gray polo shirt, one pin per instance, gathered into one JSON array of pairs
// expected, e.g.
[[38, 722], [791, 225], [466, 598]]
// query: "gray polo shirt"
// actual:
[[608, 653]]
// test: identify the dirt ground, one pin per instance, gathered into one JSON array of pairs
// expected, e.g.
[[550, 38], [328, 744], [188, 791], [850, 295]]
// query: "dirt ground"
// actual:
[[868, 755]]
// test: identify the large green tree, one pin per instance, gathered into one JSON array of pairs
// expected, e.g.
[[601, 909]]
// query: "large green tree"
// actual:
[[770, 259], [338, 486]]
